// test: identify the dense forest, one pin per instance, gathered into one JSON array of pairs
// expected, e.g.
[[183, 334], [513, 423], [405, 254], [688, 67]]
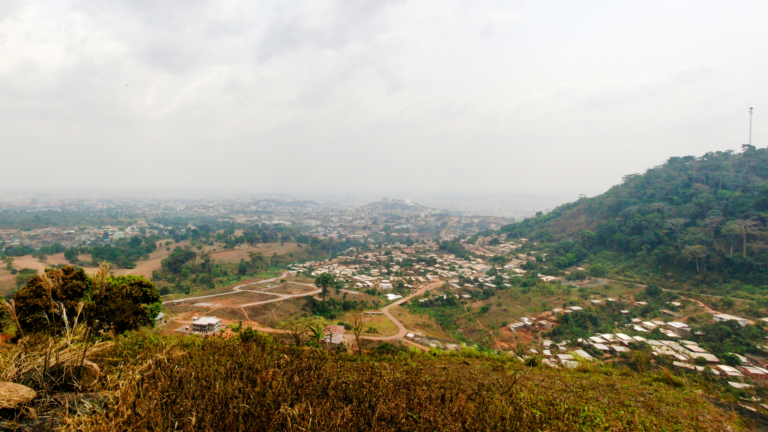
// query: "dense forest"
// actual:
[[701, 220]]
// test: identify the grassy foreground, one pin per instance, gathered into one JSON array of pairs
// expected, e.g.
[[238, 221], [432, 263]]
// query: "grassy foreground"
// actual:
[[170, 383], [152, 382]]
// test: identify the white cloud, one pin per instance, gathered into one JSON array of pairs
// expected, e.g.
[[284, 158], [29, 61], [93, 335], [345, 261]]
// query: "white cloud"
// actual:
[[380, 97]]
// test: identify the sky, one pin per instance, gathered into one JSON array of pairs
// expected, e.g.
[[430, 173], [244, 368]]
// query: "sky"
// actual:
[[402, 98]]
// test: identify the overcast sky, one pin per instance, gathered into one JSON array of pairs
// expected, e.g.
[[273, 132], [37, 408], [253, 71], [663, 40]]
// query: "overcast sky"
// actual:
[[371, 96]]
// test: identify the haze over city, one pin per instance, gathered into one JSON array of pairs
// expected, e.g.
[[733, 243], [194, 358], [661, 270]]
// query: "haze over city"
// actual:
[[373, 98]]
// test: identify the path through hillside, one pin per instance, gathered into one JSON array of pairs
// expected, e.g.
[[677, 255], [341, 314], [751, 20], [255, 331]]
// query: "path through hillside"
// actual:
[[402, 331]]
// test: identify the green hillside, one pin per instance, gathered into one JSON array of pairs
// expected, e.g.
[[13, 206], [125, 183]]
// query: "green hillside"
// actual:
[[700, 221]]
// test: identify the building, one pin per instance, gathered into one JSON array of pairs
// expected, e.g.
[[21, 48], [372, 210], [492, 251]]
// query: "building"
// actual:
[[205, 325], [334, 334], [681, 329], [725, 317]]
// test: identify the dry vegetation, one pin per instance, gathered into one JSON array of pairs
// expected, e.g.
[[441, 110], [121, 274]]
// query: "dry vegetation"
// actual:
[[169, 383]]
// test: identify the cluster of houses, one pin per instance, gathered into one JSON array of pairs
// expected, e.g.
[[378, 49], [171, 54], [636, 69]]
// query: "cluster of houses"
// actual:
[[683, 354], [382, 270]]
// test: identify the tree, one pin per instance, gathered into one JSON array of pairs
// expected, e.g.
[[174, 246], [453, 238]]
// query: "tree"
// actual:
[[41, 304], [597, 270], [123, 303], [742, 227], [324, 282], [587, 238], [711, 223], [676, 224], [177, 259], [72, 255], [23, 276], [258, 261], [696, 253], [206, 259], [357, 328], [296, 328]]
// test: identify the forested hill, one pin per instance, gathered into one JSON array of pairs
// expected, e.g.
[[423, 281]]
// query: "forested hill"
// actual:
[[691, 216]]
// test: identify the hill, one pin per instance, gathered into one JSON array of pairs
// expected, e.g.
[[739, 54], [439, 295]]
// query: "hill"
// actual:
[[152, 382], [696, 220]]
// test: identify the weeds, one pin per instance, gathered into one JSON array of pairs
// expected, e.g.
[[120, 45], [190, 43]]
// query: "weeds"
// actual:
[[225, 385]]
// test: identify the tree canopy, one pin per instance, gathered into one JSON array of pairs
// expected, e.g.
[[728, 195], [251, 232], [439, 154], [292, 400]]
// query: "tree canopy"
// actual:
[[690, 216], [105, 302]]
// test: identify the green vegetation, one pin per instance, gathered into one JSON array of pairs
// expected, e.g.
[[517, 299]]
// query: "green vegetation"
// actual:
[[332, 308], [23, 276], [586, 323], [694, 221], [123, 254], [54, 301], [727, 337]]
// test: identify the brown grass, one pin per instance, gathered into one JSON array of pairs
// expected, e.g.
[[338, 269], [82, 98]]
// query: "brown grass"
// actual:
[[224, 385]]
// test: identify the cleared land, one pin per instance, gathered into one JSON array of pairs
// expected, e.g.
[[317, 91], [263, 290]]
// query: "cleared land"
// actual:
[[146, 267], [421, 323], [235, 255], [286, 288], [227, 300], [7, 283]]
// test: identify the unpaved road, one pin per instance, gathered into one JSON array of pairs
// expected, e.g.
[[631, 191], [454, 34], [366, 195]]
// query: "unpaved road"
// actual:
[[402, 331], [239, 288], [385, 310]]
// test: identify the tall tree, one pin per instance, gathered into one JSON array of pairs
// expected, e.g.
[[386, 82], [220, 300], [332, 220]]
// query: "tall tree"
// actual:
[[324, 282], [357, 328], [696, 253], [744, 228]]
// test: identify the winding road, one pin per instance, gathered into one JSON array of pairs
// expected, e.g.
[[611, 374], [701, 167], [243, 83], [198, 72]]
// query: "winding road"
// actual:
[[402, 331], [401, 328], [239, 288]]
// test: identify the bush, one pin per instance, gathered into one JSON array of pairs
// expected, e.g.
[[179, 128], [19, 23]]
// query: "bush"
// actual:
[[598, 270], [730, 359], [576, 275], [248, 335]]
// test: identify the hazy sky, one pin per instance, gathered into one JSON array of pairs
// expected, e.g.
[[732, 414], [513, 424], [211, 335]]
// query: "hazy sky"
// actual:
[[372, 96]]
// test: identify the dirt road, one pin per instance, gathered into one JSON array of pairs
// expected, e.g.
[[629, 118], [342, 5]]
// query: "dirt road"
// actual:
[[401, 328], [239, 289], [402, 331]]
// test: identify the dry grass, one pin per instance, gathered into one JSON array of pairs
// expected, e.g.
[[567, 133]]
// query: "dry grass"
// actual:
[[224, 385], [422, 323]]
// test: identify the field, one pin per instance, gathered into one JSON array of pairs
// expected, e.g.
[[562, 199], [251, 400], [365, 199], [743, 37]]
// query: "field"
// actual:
[[7, 283], [235, 255], [286, 288], [373, 325], [272, 314], [421, 323], [144, 267]]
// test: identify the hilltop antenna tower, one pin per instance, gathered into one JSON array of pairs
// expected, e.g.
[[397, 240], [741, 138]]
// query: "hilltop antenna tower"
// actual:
[[750, 125]]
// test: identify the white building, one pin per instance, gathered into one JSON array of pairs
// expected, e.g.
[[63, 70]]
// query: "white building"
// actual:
[[724, 317], [205, 325]]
